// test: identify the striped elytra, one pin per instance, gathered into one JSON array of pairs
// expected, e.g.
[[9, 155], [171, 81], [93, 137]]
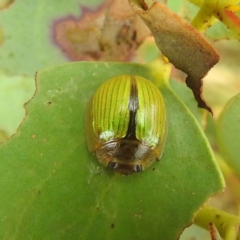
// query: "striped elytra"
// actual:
[[126, 124]]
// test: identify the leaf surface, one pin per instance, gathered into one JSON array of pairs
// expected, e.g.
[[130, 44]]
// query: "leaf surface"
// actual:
[[53, 188], [228, 129]]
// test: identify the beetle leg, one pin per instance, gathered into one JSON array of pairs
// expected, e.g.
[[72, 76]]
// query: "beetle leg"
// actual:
[[138, 168], [113, 165]]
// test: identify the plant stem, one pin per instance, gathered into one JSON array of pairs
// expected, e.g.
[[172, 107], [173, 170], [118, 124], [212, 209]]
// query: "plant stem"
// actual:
[[227, 224]]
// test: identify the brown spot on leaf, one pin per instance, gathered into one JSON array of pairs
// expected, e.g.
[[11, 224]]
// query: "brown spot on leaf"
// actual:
[[111, 32], [5, 4], [138, 216], [112, 225], [184, 46]]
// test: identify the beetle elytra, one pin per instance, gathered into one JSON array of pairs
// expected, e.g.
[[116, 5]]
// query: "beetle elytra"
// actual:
[[126, 124]]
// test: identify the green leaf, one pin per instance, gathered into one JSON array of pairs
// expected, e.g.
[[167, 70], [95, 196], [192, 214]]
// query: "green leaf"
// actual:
[[53, 188], [187, 97], [27, 41], [228, 133]]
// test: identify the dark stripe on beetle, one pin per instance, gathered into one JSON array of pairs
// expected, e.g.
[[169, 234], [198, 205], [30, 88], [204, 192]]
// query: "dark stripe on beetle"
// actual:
[[133, 106]]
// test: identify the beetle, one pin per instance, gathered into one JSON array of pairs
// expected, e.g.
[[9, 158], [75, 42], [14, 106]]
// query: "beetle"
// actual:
[[126, 124]]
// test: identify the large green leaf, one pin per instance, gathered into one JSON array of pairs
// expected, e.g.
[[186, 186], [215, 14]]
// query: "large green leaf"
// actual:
[[53, 188], [228, 133]]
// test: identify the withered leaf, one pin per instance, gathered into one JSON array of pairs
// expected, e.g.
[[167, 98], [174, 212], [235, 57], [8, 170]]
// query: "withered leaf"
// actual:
[[184, 46], [111, 32]]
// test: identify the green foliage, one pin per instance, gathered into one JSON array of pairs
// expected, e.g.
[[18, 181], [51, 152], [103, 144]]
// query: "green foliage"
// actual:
[[54, 188], [28, 34], [228, 129]]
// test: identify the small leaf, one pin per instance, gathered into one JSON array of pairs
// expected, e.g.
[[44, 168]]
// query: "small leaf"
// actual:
[[184, 46], [228, 126], [53, 188]]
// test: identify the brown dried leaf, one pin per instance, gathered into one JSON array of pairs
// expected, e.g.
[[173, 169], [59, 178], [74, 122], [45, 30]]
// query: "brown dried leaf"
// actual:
[[184, 46], [112, 32]]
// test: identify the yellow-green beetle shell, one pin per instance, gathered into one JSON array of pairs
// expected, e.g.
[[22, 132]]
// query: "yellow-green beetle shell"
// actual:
[[126, 123]]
